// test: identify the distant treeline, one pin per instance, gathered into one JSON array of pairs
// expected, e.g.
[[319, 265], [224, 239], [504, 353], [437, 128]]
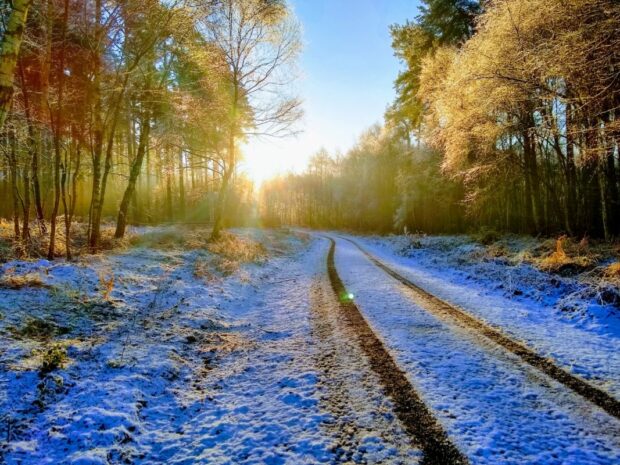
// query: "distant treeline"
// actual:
[[507, 116]]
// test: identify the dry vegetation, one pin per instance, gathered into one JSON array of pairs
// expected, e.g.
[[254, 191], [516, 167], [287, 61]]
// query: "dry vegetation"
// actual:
[[37, 246], [562, 255], [10, 280], [229, 251]]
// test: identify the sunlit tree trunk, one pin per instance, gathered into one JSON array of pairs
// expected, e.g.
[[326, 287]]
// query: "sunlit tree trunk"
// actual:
[[181, 187], [12, 161], [136, 168], [9, 52], [57, 125]]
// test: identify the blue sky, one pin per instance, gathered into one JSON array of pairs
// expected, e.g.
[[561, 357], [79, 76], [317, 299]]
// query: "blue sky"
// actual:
[[347, 73]]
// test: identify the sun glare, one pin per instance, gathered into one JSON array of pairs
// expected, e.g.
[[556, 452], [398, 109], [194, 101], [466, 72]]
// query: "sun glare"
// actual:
[[266, 159]]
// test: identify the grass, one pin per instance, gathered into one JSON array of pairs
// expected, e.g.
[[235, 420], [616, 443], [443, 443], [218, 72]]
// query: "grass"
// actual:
[[40, 329], [179, 238], [14, 281], [564, 255], [561, 255], [37, 246], [229, 251]]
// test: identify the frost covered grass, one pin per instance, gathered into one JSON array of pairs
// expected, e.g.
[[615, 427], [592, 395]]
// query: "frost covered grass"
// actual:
[[579, 278], [130, 357], [227, 253]]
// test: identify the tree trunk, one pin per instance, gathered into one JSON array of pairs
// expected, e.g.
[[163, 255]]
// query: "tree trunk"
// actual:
[[26, 209], [612, 190], [57, 122], [9, 51], [181, 186], [220, 203], [63, 186], [12, 156], [52, 245], [169, 196], [136, 168], [36, 189], [531, 168]]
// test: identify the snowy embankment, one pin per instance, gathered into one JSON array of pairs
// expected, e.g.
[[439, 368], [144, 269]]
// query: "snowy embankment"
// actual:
[[494, 407], [560, 317]]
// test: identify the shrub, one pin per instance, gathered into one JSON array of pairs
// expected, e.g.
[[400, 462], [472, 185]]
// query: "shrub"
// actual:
[[55, 357], [486, 236], [38, 328], [560, 261], [106, 284]]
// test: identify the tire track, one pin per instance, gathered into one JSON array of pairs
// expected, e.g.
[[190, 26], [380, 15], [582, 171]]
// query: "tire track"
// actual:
[[420, 424], [360, 415], [443, 309]]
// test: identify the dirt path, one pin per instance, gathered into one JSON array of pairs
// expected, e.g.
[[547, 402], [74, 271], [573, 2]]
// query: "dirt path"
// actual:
[[419, 423], [352, 395], [445, 310]]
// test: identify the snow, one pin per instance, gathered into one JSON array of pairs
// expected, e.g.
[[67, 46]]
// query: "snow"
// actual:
[[172, 368], [494, 407], [171, 362], [526, 303]]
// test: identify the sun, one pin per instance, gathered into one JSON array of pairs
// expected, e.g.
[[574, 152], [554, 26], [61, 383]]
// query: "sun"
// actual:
[[265, 159]]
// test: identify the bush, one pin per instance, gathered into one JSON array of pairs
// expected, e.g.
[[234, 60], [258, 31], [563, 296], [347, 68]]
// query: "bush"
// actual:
[[560, 261], [55, 357], [37, 328], [486, 236]]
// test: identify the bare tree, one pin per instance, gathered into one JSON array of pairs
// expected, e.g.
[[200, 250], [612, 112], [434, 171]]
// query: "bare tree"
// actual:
[[260, 41]]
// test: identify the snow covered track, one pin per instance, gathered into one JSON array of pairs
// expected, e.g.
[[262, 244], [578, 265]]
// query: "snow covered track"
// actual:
[[495, 408], [417, 419], [442, 308]]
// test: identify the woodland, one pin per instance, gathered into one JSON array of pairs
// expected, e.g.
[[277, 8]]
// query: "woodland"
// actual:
[[507, 117], [134, 112]]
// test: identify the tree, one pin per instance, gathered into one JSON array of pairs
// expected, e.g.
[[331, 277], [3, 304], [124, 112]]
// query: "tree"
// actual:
[[439, 23], [260, 41], [9, 52], [534, 93]]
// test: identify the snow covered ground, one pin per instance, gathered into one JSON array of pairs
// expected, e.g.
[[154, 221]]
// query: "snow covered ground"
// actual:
[[170, 362], [172, 354], [528, 304], [495, 408]]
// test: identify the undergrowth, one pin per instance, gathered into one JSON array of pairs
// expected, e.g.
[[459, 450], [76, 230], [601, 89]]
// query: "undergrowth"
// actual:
[[38, 243], [13, 281]]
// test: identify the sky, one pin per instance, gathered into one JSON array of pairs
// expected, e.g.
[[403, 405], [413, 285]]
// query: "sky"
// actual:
[[347, 70]]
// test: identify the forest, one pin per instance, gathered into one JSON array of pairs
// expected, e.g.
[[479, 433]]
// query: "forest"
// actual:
[[507, 117], [133, 112]]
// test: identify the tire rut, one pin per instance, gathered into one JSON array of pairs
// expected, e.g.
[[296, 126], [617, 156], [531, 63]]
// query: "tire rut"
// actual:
[[423, 429], [351, 393], [445, 310]]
